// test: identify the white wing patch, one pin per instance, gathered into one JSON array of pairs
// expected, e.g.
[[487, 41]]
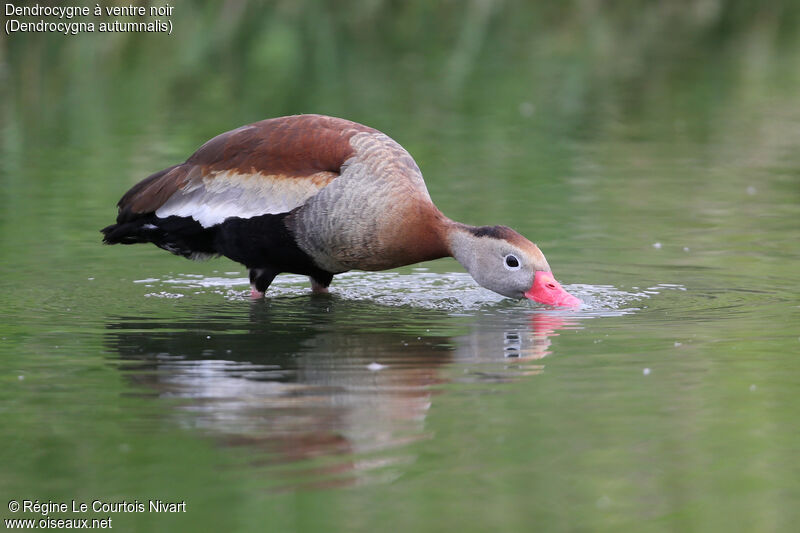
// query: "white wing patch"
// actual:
[[212, 198]]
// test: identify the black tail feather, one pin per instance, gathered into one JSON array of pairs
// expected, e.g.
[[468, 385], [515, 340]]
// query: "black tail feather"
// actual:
[[179, 235]]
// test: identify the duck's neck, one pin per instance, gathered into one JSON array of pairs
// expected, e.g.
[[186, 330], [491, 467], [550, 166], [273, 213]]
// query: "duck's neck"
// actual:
[[431, 235], [461, 240]]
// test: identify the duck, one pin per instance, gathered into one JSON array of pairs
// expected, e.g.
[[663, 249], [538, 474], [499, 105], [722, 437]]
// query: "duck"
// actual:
[[317, 196]]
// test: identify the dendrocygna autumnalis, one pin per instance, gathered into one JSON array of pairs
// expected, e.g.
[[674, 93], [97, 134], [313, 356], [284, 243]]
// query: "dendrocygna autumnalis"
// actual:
[[317, 195]]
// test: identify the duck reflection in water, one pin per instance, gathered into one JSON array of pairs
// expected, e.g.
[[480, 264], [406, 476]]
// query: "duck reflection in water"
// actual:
[[343, 383]]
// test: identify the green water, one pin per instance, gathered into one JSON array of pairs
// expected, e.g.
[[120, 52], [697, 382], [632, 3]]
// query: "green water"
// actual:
[[651, 152]]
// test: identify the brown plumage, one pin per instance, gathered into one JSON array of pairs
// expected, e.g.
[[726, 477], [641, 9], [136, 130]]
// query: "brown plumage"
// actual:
[[305, 146], [313, 195]]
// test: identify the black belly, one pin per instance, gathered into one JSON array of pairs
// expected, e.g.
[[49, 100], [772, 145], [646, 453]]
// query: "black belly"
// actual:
[[265, 242]]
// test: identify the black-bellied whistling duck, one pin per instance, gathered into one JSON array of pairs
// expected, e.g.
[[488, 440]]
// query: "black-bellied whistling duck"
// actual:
[[317, 195]]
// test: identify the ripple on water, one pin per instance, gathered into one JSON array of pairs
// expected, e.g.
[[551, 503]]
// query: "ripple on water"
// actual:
[[453, 292]]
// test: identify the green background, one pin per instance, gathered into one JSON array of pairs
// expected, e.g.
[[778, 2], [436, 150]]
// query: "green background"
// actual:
[[597, 129]]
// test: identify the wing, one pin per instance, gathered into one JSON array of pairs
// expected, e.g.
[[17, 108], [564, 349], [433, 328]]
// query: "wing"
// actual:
[[272, 166]]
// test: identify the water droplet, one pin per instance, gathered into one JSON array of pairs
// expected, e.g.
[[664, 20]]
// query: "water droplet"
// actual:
[[526, 109]]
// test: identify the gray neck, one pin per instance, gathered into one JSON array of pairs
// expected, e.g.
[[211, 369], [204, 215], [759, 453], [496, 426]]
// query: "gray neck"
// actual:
[[467, 249]]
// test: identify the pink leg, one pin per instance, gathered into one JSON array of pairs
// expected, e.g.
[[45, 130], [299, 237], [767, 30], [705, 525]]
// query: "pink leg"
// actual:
[[260, 277], [316, 288], [255, 294]]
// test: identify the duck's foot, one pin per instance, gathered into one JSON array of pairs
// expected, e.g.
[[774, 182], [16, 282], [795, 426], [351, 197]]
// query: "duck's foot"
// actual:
[[260, 278], [255, 294], [318, 288]]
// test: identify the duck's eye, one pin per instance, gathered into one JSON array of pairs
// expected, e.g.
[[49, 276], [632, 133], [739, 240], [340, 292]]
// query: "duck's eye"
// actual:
[[511, 262]]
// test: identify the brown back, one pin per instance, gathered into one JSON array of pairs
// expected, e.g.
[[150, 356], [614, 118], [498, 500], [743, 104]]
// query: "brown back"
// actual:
[[294, 147]]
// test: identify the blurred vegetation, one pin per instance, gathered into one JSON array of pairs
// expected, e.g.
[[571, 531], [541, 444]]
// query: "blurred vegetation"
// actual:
[[575, 68], [500, 89]]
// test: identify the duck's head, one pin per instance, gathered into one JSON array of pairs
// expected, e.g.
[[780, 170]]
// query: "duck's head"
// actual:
[[507, 263]]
